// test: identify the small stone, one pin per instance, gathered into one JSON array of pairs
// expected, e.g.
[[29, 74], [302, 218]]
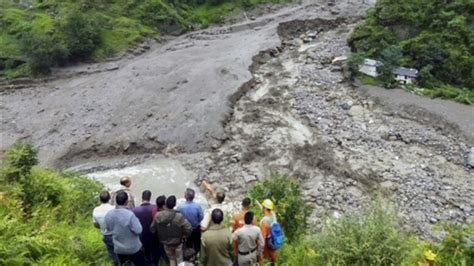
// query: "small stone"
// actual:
[[347, 105], [433, 220], [470, 158]]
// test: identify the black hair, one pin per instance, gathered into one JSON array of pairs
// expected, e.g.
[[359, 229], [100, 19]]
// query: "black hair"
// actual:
[[121, 198], [188, 254], [104, 196], [189, 194], [248, 218], [171, 202], [220, 196], [217, 216], [246, 202], [160, 201], [146, 195]]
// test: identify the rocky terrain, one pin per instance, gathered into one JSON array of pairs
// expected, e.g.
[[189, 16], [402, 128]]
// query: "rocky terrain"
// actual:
[[195, 99]]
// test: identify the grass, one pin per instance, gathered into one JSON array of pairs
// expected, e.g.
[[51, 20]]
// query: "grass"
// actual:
[[368, 80]]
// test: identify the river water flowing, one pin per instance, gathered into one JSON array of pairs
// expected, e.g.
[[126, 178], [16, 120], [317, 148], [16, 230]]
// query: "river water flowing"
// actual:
[[160, 176]]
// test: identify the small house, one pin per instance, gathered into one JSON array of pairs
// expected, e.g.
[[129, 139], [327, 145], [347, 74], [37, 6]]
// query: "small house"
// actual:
[[369, 67], [405, 75]]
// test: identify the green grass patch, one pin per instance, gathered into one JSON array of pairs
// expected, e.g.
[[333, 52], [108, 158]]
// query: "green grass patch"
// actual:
[[368, 80], [211, 14], [461, 95], [9, 46]]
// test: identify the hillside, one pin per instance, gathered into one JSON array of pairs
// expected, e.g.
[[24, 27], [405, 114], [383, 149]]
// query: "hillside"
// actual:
[[51, 33], [434, 37]]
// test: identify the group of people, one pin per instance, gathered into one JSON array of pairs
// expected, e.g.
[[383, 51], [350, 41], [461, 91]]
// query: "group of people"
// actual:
[[148, 233]]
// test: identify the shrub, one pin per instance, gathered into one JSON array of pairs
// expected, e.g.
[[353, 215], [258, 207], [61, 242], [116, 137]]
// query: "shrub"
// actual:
[[372, 238], [82, 34], [19, 160], [291, 209]]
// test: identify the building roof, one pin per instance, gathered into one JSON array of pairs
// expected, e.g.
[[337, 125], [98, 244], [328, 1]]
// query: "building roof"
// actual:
[[403, 71], [371, 62]]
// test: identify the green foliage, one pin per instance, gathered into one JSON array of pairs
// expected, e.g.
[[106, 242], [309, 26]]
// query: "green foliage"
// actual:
[[81, 32], [19, 160], [56, 32], [45, 215], [435, 37], [457, 247], [372, 238], [290, 207]]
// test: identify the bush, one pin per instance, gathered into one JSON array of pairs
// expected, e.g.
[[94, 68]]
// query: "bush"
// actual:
[[372, 238], [82, 34], [291, 209], [19, 160], [42, 51]]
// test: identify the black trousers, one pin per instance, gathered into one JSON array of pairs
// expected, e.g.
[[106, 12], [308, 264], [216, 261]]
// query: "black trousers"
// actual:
[[138, 258], [194, 240], [154, 252]]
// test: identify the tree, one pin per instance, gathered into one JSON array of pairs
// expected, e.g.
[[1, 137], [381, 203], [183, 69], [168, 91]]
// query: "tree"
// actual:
[[20, 158], [82, 34]]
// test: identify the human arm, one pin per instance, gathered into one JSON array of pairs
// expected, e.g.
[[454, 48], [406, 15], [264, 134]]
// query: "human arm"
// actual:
[[204, 255], [208, 188], [260, 243], [135, 225], [186, 227], [205, 221]]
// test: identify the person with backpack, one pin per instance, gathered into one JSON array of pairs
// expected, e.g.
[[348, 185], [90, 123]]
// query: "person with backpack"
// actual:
[[250, 242], [171, 228], [271, 231]]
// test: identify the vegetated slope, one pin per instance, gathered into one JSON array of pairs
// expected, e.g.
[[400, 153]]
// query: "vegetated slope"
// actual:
[[52, 32], [435, 37]]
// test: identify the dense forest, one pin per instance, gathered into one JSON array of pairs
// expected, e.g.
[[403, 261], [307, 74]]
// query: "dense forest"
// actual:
[[53, 32], [435, 37], [46, 219]]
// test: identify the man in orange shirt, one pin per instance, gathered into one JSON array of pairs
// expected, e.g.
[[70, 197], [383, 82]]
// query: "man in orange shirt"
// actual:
[[238, 217], [238, 221], [265, 226]]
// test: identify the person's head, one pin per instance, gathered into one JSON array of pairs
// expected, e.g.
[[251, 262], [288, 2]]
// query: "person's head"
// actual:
[[160, 201], [146, 195], [217, 216], [171, 202], [121, 198], [220, 196], [104, 196], [246, 203], [125, 181], [268, 205], [248, 218], [189, 194], [189, 255]]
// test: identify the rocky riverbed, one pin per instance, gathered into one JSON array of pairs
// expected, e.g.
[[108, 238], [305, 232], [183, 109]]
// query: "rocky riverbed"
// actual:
[[196, 100]]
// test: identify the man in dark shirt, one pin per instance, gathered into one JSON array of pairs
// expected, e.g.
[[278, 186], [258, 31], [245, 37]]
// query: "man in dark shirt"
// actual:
[[149, 240]]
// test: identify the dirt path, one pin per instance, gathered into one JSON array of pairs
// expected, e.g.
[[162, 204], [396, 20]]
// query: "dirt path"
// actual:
[[173, 97]]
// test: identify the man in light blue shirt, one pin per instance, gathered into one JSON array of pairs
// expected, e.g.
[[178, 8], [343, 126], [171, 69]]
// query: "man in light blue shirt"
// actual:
[[192, 211], [126, 230]]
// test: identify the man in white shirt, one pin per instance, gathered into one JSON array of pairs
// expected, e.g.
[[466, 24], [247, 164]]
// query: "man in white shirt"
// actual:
[[219, 197], [250, 242], [98, 218]]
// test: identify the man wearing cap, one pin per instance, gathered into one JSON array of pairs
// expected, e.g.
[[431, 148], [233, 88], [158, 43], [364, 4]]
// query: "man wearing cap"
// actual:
[[265, 226]]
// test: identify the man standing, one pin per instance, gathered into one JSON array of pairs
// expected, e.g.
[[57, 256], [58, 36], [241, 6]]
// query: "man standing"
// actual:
[[98, 218], [250, 242], [194, 214], [238, 221], [125, 184], [219, 198], [171, 228], [126, 230], [148, 239], [216, 242]]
